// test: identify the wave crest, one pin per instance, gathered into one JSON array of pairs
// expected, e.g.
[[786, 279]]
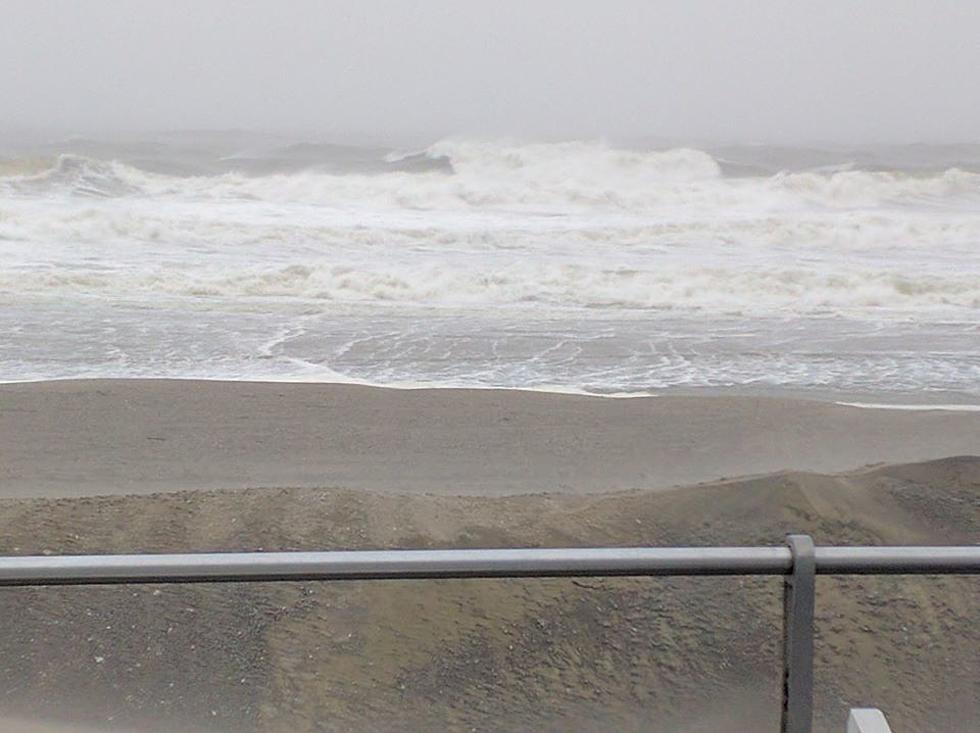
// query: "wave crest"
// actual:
[[79, 176], [501, 177], [562, 286], [576, 161]]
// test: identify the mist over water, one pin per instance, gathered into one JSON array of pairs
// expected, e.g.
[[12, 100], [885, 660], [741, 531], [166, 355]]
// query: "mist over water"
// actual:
[[583, 265]]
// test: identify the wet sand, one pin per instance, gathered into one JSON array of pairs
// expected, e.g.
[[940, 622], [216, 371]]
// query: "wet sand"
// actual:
[[78, 438]]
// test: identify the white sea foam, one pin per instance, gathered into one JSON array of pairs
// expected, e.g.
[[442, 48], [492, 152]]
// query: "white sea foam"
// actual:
[[554, 234], [494, 175], [925, 407], [565, 285]]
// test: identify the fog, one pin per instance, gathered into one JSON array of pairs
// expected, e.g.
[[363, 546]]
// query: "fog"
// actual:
[[765, 71]]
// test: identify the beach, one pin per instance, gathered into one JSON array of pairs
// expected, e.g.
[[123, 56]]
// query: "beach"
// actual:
[[250, 341], [155, 466], [555, 655], [339, 276], [89, 437]]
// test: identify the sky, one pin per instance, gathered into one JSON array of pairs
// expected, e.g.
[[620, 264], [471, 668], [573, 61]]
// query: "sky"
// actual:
[[763, 71]]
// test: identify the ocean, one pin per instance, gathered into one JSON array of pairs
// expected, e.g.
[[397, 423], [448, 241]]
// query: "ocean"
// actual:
[[584, 266]]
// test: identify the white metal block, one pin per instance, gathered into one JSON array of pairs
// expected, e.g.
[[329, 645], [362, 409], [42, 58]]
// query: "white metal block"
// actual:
[[867, 720]]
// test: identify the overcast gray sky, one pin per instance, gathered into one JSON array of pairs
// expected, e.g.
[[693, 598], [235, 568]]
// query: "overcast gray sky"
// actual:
[[756, 70]]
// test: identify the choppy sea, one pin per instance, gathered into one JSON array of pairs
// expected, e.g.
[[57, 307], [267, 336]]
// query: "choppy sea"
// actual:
[[579, 265]]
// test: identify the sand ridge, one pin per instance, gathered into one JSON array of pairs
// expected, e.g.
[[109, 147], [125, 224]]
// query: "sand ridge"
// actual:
[[581, 656]]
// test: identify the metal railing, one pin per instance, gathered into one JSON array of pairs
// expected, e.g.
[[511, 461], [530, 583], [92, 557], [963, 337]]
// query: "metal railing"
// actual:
[[799, 562]]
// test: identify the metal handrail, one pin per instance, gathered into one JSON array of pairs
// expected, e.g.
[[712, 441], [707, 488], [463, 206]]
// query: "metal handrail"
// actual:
[[499, 563], [798, 563]]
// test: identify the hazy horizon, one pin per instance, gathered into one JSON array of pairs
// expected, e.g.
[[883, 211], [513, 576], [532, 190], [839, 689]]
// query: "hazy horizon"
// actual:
[[766, 73], [42, 135]]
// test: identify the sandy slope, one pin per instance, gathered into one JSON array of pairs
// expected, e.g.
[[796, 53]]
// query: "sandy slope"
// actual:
[[675, 654]]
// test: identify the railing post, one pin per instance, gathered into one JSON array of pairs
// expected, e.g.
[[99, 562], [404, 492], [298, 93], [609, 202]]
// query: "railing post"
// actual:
[[798, 605]]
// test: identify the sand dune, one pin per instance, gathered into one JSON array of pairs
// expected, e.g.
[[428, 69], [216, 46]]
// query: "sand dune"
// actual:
[[629, 655]]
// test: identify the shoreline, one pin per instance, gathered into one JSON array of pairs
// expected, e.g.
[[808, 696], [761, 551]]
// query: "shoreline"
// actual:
[[99, 437], [847, 399]]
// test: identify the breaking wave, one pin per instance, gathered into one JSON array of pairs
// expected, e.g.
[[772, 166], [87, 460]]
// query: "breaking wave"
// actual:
[[492, 262], [553, 177], [574, 224], [78, 176], [703, 288]]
